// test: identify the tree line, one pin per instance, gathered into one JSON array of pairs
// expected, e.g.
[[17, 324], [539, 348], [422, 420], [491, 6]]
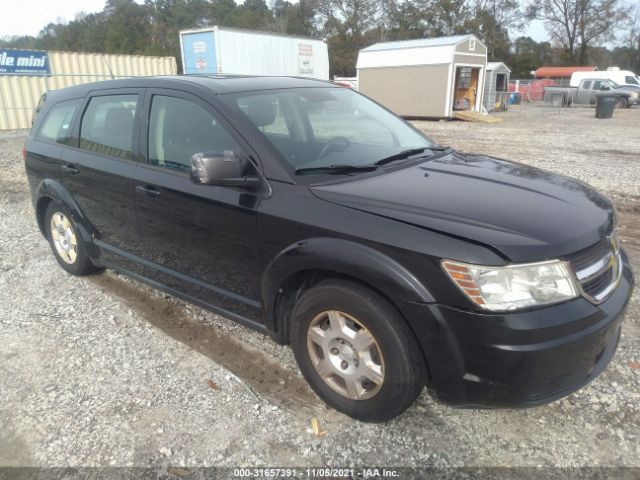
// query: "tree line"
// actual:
[[578, 29]]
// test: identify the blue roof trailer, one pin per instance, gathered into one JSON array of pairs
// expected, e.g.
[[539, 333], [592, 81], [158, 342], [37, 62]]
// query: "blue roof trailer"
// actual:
[[230, 51]]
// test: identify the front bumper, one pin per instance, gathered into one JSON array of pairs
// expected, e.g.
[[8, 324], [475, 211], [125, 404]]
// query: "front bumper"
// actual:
[[521, 359]]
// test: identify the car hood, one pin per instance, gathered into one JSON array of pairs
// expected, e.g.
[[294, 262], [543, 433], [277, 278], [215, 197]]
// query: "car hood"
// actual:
[[524, 213]]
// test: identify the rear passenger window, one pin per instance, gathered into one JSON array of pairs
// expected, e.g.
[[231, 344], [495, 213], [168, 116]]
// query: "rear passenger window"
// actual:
[[179, 129], [57, 124], [107, 125], [586, 85]]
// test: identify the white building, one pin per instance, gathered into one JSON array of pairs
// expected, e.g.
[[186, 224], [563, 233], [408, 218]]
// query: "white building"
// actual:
[[430, 77]]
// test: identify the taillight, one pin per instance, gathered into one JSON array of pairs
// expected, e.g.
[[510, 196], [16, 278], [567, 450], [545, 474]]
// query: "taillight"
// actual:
[[24, 152]]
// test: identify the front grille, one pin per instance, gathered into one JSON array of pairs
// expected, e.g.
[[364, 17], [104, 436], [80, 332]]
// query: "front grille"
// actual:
[[598, 268]]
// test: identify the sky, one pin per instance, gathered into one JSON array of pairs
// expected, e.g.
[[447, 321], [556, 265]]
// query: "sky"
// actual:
[[28, 17]]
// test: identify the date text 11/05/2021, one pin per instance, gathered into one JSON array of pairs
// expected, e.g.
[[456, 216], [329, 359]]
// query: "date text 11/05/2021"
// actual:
[[323, 472]]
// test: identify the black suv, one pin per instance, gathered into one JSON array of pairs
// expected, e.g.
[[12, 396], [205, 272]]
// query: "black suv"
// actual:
[[311, 213]]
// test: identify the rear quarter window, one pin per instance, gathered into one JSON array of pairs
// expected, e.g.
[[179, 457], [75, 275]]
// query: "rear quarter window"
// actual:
[[56, 126]]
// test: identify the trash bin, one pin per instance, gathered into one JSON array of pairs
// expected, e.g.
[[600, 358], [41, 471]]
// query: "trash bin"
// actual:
[[515, 98], [605, 105]]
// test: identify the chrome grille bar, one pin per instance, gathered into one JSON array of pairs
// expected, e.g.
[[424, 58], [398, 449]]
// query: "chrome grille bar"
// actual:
[[595, 269], [601, 296], [599, 277]]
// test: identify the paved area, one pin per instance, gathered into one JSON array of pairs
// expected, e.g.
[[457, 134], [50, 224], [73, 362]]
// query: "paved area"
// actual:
[[101, 370]]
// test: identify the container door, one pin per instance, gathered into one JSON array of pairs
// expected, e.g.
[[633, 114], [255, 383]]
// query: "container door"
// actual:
[[199, 53]]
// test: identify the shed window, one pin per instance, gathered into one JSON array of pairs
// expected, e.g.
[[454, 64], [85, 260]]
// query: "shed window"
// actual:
[[464, 77], [472, 44]]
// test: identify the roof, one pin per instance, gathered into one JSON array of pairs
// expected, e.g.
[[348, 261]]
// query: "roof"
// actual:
[[246, 30], [561, 71], [215, 84], [418, 43], [496, 65]]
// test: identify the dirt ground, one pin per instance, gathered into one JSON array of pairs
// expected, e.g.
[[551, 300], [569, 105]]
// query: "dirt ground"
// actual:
[[101, 370]]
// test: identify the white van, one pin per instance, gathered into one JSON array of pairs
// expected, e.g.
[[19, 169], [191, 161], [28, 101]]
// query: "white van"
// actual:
[[621, 77]]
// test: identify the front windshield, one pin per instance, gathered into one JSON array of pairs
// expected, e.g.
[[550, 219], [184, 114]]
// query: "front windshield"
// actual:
[[612, 84], [328, 127]]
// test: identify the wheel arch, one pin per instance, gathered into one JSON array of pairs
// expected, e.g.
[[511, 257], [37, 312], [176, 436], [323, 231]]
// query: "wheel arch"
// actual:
[[51, 190], [304, 263]]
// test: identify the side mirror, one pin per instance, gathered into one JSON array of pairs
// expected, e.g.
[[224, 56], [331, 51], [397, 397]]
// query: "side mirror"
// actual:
[[223, 169]]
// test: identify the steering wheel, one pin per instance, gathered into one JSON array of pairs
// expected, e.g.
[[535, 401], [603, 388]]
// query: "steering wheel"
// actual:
[[333, 143]]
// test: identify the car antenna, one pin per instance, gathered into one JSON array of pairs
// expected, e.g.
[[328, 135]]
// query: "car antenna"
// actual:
[[108, 68]]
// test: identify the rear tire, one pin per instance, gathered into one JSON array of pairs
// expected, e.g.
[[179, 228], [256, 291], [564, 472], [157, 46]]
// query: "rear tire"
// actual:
[[558, 101], [66, 242], [356, 351]]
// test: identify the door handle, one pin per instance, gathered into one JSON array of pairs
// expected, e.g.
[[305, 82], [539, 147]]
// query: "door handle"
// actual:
[[148, 190], [70, 169]]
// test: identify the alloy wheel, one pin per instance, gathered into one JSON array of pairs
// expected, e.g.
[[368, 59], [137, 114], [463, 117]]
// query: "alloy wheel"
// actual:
[[346, 355], [64, 239]]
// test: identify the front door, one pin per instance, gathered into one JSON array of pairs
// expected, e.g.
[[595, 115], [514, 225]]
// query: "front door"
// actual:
[[98, 172], [199, 240]]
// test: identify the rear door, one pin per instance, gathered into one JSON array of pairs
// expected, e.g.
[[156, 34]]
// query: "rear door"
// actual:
[[199, 240], [99, 171], [596, 90], [584, 92]]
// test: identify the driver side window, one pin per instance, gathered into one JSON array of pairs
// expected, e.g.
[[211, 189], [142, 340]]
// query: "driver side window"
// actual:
[[179, 128]]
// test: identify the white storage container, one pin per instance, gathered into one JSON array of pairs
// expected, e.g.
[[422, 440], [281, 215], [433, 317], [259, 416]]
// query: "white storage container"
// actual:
[[229, 51]]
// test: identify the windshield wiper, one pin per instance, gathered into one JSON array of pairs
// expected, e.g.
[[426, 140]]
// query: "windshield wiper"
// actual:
[[339, 168], [410, 153]]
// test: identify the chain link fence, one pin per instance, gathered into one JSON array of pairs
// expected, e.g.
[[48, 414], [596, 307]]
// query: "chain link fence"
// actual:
[[542, 96]]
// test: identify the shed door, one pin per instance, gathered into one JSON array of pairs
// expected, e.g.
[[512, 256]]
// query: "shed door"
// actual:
[[466, 88]]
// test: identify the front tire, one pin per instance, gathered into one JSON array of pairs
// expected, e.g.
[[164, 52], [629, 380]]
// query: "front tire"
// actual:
[[356, 351], [623, 102], [66, 242]]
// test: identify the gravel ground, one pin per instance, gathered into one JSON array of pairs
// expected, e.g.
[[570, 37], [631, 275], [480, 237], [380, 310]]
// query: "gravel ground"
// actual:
[[101, 370]]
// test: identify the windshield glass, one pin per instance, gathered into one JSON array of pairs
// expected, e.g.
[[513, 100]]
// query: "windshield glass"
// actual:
[[327, 127]]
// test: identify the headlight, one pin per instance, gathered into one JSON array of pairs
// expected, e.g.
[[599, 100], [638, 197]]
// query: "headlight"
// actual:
[[514, 286], [634, 94]]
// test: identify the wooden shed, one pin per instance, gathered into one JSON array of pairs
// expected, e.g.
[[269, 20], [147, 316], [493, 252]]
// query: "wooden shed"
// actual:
[[425, 78], [496, 85]]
